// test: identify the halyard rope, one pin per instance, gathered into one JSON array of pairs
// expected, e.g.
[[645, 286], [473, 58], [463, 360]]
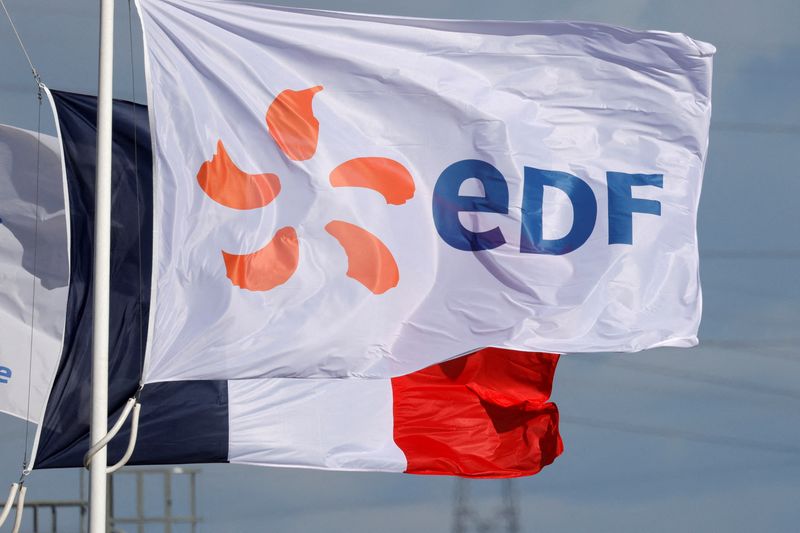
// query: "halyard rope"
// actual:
[[18, 490], [35, 72]]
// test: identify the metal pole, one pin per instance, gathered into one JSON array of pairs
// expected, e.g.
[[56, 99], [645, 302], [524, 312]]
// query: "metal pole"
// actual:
[[193, 500], [83, 503], [110, 506], [140, 502], [461, 508], [102, 267], [168, 501], [510, 511]]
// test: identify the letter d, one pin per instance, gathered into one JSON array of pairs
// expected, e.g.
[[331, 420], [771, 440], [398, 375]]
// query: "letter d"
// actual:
[[584, 208]]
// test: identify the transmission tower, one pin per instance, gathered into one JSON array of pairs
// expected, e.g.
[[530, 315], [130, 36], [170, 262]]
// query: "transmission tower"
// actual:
[[467, 519]]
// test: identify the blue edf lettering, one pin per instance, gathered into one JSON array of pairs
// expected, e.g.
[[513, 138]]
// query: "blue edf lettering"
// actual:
[[5, 374], [622, 204], [584, 208], [447, 204]]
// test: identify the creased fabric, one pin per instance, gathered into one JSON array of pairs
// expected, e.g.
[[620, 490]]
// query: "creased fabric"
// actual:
[[343, 195]]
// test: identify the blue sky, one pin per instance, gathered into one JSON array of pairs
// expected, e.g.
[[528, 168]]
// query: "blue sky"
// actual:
[[706, 439]]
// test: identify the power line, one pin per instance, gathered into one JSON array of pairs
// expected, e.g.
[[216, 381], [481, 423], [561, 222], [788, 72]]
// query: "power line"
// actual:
[[695, 377], [750, 254], [753, 343], [757, 127], [764, 349], [680, 434]]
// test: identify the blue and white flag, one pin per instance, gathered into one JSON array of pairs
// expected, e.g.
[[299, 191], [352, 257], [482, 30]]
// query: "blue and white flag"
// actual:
[[33, 269]]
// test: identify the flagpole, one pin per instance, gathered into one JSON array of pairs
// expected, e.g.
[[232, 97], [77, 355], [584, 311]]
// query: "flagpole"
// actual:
[[102, 267]]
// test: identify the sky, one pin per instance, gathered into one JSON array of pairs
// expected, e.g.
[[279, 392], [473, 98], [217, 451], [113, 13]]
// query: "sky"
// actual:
[[702, 439]]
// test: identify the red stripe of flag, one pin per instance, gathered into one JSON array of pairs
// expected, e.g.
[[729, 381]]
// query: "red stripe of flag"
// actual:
[[483, 415]]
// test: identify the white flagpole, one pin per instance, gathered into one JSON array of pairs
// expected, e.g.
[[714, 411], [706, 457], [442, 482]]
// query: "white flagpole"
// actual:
[[102, 269]]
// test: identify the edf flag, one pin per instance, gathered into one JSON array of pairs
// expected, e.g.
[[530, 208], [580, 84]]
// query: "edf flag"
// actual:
[[351, 195]]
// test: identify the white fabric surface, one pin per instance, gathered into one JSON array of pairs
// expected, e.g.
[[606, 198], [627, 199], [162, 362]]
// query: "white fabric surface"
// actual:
[[579, 98], [18, 213], [337, 424]]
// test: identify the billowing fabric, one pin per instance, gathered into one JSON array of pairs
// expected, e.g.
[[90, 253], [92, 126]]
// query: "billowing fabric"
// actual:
[[485, 414], [443, 418], [33, 256], [343, 195]]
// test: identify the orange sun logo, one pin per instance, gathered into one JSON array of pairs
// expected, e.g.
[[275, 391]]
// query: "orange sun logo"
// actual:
[[295, 129]]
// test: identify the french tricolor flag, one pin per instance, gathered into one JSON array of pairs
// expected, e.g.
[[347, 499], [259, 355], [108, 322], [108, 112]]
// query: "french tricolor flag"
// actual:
[[482, 415], [486, 414]]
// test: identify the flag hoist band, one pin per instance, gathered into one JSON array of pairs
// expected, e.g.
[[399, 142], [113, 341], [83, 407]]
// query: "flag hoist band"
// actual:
[[319, 215]]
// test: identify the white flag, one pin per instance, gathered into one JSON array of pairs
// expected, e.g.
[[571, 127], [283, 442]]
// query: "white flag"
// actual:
[[353, 195], [33, 257]]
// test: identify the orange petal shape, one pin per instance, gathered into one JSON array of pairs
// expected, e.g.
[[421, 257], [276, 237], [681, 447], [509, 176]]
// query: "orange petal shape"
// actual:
[[380, 174], [292, 124], [267, 268], [225, 183], [369, 261]]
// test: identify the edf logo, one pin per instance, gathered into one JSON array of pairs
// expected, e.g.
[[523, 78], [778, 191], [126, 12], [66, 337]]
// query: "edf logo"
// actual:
[[447, 204], [5, 374]]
